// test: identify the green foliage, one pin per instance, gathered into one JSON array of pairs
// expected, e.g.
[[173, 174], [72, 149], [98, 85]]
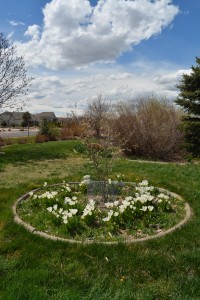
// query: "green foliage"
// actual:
[[54, 131], [26, 119], [191, 128], [44, 128], [80, 148], [50, 129], [189, 99]]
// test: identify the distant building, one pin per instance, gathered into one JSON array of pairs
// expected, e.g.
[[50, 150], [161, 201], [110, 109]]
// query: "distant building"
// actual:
[[11, 118], [16, 118], [49, 116]]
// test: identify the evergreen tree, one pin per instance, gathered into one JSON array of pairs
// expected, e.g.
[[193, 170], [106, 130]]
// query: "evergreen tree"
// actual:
[[26, 120], [189, 100], [189, 97]]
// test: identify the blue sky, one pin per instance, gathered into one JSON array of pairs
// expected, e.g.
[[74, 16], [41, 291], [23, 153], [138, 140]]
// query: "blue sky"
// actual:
[[113, 55]]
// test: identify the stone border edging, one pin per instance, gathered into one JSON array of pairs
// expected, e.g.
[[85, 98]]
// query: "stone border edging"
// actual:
[[128, 241]]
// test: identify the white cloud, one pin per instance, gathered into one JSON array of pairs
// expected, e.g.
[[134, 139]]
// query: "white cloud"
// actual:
[[59, 93], [76, 34], [170, 80], [33, 32], [16, 23]]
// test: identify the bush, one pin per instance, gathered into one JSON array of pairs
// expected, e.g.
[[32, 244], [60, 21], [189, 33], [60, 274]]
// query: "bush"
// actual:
[[72, 127], [41, 138], [2, 143], [22, 140], [50, 130], [54, 132], [149, 129], [9, 141], [81, 148]]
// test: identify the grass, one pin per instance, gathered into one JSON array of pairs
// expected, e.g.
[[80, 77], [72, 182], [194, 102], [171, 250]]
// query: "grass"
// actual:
[[34, 152], [34, 268]]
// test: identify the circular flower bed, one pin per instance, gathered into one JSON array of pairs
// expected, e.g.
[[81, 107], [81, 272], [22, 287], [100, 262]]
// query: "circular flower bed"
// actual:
[[118, 211]]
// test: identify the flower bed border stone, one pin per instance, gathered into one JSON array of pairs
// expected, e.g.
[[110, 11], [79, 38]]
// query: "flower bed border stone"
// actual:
[[188, 215]]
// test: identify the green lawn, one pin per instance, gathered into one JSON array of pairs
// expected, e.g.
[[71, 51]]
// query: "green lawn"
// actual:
[[34, 268]]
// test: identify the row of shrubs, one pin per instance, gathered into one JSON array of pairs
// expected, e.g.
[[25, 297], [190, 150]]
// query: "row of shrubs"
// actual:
[[48, 132], [149, 128], [40, 138]]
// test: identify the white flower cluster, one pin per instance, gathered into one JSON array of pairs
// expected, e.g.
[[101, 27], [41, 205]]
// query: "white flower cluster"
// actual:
[[47, 194], [111, 204], [107, 219], [70, 201], [85, 180], [128, 202], [162, 197], [90, 207], [143, 198], [145, 208], [68, 214], [64, 214], [66, 187], [143, 187]]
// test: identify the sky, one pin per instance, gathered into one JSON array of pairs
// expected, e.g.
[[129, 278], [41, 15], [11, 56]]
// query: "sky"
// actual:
[[120, 49]]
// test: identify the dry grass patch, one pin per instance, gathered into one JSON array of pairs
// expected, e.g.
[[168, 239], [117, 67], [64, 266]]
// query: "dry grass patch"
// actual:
[[22, 173]]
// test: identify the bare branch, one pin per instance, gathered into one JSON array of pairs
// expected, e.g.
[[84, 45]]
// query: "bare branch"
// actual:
[[14, 81]]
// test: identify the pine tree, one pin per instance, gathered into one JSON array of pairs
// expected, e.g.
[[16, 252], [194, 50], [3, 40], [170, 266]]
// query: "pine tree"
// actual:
[[189, 97], [189, 100]]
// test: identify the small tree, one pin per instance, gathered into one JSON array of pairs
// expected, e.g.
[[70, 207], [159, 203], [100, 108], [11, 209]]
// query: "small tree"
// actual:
[[13, 75], [96, 114], [50, 129], [44, 128], [189, 100], [26, 120]]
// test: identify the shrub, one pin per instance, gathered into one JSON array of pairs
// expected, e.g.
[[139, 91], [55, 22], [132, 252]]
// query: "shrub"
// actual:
[[2, 143], [9, 141], [81, 148], [41, 138], [50, 129], [72, 127], [149, 129], [22, 140], [54, 132]]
